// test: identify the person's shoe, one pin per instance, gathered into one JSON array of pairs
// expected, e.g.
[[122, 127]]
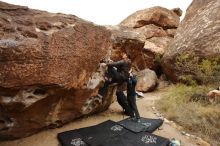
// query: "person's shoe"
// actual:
[[132, 118]]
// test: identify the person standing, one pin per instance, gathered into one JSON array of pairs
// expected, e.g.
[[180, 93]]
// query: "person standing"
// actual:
[[131, 97]]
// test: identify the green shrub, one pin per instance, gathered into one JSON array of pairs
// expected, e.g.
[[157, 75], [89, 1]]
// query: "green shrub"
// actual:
[[193, 70], [189, 107]]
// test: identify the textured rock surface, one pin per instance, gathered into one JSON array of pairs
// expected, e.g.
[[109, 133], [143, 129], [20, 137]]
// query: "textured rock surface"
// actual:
[[125, 40], [49, 69], [156, 15], [156, 26], [198, 34], [178, 11], [146, 80]]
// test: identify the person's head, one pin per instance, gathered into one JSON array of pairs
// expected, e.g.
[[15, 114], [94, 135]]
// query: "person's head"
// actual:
[[126, 56]]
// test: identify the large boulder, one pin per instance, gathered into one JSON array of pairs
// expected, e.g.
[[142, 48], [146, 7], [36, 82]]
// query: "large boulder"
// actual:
[[156, 15], [156, 26], [146, 80], [49, 70], [125, 40], [194, 52]]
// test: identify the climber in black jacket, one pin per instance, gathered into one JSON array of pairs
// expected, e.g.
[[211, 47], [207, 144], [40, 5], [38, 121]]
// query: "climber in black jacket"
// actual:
[[117, 72]]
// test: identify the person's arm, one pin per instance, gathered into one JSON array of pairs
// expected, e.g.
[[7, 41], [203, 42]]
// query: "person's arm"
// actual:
[[116, 64]]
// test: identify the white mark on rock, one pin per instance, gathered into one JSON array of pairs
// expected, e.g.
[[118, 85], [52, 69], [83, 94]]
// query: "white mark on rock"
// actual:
[[91, 104]]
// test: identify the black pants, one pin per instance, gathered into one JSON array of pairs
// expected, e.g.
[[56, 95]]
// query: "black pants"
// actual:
[[132, 104], [131, 96], [123, 102]]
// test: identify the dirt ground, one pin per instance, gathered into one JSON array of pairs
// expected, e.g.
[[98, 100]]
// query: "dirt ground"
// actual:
[[49, 137]]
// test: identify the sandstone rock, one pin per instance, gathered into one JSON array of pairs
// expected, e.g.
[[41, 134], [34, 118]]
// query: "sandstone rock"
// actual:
[[156, 15], [156, 26], [149, 31], [161, 42], [146, 80], [126, 40], [154, 49], [171, 32], [178, 11], [152, 55], [196, 37], [49, 69]]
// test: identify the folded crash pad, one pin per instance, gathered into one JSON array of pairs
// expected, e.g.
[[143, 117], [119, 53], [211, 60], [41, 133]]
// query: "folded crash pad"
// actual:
[[145, 124]]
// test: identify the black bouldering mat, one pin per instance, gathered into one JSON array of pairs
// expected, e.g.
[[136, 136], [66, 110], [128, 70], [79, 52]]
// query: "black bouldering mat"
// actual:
[[91, 136], [145, 124], [136, 139], [96, 135], [71, 138], [110, 133]]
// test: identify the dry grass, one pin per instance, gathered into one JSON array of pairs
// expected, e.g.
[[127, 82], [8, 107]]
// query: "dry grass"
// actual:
[[189, 107]]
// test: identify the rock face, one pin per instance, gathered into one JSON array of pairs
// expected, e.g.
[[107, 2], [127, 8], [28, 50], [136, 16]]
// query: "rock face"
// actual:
[[156, 26], [125, 40], [49, 70], [155, 15], [196, 41], [146, 80]]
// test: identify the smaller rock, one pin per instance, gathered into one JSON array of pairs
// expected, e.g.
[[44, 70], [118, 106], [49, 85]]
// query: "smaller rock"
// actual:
[[166, 121], [160, 128], [187, 134], [158, 115], [177, 11], [153, 108], [146, 80], [183, 132], [174, 125]]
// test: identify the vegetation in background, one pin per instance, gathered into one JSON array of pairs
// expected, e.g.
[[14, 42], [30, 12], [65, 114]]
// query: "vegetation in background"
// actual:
[[197, 71], [190, 108]]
